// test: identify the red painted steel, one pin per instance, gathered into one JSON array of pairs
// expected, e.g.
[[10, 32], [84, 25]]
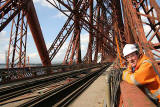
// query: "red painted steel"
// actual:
[[9, 9], [37, 34], [66, 58], [61, 37], [136, 25], [132, 96], [118, 29], [76, 42], [90, 32], [87, 24], [17, 44], [102, 20]]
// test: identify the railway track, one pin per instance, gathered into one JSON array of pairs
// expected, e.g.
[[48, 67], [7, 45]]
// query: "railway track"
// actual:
[[48, 87], [19, 74]]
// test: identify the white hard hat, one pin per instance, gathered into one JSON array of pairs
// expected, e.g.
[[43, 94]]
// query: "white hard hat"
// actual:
[[129, 48]]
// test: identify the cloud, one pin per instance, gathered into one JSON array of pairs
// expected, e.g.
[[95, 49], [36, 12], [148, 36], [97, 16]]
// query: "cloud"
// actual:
[[85, 38], [61, 15], [29, 33], [48, 45], [35, 1], [4, 40], [61, 53], [43, 3], [3, 37], [3, 33], [146, 29], [2, 57], [34, 57], [84, 43], [158, 2]]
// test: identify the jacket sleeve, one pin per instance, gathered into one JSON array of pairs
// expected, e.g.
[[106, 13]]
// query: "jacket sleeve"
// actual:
[[144, 75], [126, 74]]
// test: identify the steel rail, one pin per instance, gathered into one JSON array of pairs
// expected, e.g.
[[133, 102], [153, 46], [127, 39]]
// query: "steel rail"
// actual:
[[17, 90], [35, 81], [4, 73], [51, 98], [73, 95]]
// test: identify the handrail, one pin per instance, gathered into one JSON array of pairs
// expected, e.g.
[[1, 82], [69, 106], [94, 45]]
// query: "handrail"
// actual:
[[132, 96]]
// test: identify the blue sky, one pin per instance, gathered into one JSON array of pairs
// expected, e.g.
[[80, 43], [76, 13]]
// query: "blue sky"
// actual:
[[158, 1], [51, 21]]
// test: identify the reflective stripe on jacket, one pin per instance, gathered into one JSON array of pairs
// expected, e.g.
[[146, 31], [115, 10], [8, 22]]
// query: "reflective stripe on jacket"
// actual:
[[144, 75]]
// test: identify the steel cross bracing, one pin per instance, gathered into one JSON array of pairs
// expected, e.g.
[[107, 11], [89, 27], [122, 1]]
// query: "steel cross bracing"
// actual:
[[16, 56], [11, 8], [84, 20], [17, 43], [141, 15], [76, 31], [110, 24], [61, 37], [64, 33]]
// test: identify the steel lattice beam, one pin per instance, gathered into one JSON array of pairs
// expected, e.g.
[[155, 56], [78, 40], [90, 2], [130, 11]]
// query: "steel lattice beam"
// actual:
[[135, 12], [85, 21], [17, 45], [9, 9], [108, 31]]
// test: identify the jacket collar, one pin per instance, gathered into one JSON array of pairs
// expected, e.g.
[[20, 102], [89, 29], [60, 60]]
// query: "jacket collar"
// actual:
[[140, 60]]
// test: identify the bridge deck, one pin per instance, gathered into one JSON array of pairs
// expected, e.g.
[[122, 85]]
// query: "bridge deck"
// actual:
[[94, 95]]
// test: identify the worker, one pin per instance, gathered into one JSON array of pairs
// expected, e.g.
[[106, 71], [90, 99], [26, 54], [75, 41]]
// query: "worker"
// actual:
[[141, 72]]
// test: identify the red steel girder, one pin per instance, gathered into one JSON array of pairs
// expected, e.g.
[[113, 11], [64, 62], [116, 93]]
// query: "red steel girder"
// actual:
[[97, 35], [17, 46], [86, 24], [118, 27], [61, 37], [127, 29], [135, 23], [77, 31], [65, 31], [66, 58], [37, 34], [65, 6], [90, 44], [9, 9]]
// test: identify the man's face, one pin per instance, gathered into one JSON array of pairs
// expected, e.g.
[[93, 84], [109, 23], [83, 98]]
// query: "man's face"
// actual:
[[132, 59]]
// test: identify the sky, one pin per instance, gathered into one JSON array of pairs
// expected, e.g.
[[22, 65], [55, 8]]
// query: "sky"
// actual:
[[51, 21]]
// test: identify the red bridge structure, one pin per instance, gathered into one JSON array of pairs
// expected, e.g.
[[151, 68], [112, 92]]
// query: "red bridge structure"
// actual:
[[110, 25]]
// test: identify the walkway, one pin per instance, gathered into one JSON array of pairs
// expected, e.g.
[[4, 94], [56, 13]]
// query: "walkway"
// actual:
[[94, 95]]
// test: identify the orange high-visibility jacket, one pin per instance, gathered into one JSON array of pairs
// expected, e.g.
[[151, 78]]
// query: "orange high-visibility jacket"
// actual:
[[145, 74]]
